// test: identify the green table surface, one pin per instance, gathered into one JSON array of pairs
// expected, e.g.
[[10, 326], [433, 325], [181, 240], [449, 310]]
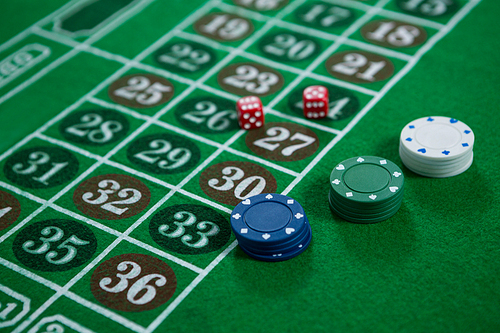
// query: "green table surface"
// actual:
[[432, 267]]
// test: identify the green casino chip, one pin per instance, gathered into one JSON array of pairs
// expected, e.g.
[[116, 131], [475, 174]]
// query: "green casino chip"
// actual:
[[368, 219], [392, 209], [346, 202], [367, 180], [366, 210]]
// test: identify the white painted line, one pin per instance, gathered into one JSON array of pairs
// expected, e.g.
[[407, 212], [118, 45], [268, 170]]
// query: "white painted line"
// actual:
[[33, 54], [118, 21], [303, 121], [59, 319], [68, 146], [228, 149], [93, 167], [99, 226], [69, 55], [351, 4], [131, 171], [118, 107], [190, 288], [194, 283], [205, 201], [26, 32], [351, 42], [105, 312], [220, 93], [55, 37], [186, 292], [389, 14], [140, 174], [307, 31], [56, 63], [135, 7], [205, 41], [378, 49], [163, 254], [342, 84], [163, 72], [243, 12], [22, 193], [411, 19], [325, 54], [29, 275], [86, 220], [427, 46], [80, 46]]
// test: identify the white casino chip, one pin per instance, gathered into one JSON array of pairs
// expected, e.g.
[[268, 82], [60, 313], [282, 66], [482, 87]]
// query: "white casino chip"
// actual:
[[437, 138]]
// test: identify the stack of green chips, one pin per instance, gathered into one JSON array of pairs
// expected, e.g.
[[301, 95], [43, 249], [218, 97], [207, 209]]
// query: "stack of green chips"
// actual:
[[366, 189]]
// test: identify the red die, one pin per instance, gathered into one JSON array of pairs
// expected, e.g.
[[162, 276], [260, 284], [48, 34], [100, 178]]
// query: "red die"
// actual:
[[250, 114], [315, 99]]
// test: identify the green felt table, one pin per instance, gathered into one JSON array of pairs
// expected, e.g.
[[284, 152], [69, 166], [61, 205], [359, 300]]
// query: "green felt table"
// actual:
[[121, 160]]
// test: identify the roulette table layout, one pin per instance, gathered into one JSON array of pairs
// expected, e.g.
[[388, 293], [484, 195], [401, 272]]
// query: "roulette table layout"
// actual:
[[125, 170]]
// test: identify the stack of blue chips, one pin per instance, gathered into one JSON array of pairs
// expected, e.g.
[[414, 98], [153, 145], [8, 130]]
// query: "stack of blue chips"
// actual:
[[271, 227]]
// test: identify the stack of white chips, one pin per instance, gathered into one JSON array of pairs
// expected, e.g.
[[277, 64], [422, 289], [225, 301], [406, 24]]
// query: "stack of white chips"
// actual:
[[436, 147]]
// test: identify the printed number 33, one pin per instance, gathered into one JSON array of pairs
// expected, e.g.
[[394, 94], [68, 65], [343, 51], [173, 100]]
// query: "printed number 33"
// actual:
[[187, 219]]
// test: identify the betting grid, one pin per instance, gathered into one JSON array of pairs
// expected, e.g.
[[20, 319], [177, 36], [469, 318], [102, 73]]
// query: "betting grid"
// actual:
[[370, 12]]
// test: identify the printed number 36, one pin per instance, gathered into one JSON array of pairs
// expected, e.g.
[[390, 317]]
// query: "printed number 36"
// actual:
[[140, 292]]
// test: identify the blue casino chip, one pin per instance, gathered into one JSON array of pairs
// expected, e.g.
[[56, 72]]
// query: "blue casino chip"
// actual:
[[271, 227], [300, 247]]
